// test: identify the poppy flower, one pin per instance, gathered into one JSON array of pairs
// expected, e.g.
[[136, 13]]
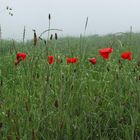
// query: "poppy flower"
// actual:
[[20, 56], [68, 60], [92, 60], [126, 55], [71, 60], [105, 53], [50, 59]]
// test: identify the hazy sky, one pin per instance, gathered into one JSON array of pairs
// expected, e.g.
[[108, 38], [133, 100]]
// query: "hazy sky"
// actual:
[[105, 16]]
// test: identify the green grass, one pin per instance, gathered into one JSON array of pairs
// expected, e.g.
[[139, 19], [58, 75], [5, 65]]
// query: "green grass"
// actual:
[[70, 102]]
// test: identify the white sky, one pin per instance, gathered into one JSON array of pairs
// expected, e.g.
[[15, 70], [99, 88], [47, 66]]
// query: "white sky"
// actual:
[[105, 16]]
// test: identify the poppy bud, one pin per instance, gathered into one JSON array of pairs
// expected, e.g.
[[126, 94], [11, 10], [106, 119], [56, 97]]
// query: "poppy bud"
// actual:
[[56, 103], [51, 37], [56, 37], [35, 37]]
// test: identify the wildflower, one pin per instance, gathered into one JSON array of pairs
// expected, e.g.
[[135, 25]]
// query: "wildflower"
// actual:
[[68, 60], [105, 53], [50, 59], [92, 60], [126, 55], [71, 60], [20, 56]]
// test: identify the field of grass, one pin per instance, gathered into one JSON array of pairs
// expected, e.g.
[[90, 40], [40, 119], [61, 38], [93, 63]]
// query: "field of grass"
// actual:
[[77, 101]]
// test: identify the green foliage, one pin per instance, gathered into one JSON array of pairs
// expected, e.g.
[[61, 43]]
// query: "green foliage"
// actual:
[[76, 101]]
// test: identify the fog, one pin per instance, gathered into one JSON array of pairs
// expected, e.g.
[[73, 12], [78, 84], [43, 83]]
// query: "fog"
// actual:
[[105, 16]]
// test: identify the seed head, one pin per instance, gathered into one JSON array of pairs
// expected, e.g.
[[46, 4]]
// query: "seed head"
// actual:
[[56, 37], [51, 37], [49, 16]]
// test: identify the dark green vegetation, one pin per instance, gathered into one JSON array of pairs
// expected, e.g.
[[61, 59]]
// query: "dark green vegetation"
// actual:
[[79, 101]]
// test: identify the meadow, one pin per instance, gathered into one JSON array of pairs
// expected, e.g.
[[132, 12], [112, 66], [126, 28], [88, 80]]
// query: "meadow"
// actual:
[[76, 101]]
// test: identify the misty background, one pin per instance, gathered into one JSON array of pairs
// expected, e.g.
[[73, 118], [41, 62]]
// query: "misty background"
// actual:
[[105, 16]]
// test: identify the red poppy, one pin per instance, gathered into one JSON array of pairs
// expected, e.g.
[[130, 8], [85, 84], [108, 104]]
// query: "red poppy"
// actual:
[[71, 60], [126, 55], [105, 52], [92, 60], [68, 60], [20, 56], [50, 59]]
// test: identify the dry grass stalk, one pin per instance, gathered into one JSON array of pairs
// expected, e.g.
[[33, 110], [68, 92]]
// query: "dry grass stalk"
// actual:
[[24, 30], [49, 16], [86, 26], [35, 38]]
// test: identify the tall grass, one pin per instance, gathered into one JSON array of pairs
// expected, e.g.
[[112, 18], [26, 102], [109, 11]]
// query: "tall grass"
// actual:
[[79, 101]]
